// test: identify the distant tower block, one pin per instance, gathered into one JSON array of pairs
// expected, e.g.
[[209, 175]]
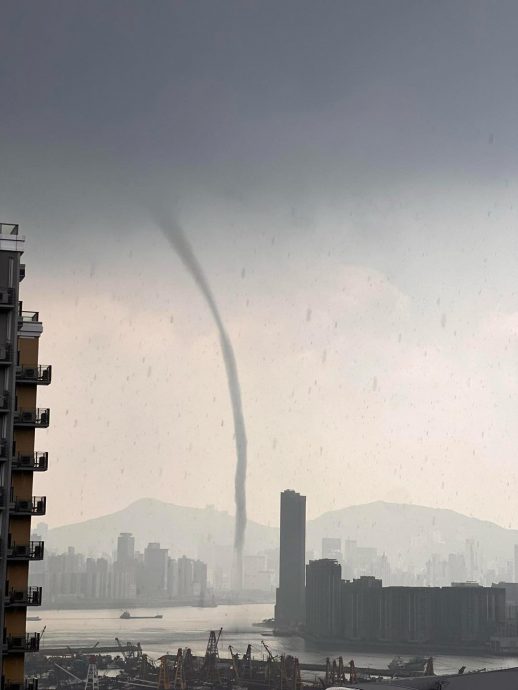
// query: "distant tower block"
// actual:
[[290, 605]]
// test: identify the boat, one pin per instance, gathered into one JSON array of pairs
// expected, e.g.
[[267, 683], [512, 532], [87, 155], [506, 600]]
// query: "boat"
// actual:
[[127, 615], [33, 618], [416, 663], [265, 623]]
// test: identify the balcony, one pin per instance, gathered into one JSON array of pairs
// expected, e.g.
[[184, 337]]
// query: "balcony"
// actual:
[[9, 228], [33, 462], [6, 354], [29, 324], [27, 316], [23, 597], [4, 402], [33, 419], [22, 643], [37, 505], [33, 551], [39, 375], [7, 298]]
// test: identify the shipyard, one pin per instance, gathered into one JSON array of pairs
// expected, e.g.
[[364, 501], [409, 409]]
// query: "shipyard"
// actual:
[[125, 666]]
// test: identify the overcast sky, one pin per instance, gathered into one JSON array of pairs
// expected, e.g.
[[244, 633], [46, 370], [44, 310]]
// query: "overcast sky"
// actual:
[[347, 173]]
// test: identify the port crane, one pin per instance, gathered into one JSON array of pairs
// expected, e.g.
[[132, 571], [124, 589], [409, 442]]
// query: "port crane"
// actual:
[[210, 664]]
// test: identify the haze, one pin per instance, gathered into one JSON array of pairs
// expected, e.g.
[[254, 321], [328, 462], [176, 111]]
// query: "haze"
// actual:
[[346, 173]]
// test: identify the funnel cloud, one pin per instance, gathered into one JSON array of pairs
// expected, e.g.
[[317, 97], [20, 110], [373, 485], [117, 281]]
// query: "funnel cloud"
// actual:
[[174, 234]]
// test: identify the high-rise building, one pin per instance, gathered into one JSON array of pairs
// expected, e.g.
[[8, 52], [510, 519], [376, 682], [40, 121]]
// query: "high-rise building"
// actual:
[[155, 570], [323, 598], [361, 605], [125, 548], [291, 596], [21, 374], [409, 614], [124, 568], [516, 562]]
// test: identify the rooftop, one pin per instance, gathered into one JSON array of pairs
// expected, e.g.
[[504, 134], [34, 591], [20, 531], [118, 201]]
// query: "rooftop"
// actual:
[[10, 240]]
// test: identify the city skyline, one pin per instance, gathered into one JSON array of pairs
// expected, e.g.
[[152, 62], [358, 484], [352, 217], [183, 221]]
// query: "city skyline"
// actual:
[[353, 206]]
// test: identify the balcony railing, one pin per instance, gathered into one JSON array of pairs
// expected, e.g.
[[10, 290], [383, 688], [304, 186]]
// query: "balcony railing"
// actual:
[[6, 352], [23, 643], [34, 462], [23, 597], [9, 228], [37, 505], [4, 402], [33, 551], [40, 375], [27, 316], [7, 296], [36, 419]]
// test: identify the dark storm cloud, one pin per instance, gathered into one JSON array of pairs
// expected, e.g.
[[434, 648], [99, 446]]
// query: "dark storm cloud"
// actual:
[[293, 101]]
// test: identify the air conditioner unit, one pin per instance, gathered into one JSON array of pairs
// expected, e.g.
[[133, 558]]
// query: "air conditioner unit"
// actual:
[[25, 460], [3, 353], [4, 297], [29, 373], [27, 416]]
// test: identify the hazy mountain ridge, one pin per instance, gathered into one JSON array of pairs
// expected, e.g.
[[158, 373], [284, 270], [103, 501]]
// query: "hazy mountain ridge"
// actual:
[[178, 528], [412, 532], [409, 533]]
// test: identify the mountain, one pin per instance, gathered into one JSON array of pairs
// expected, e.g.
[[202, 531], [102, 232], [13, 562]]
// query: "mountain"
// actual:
[[406, 533], [410, 533], [178, 528]]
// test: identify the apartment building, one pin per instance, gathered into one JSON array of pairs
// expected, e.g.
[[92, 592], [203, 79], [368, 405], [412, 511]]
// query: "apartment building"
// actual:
[[20, 376]]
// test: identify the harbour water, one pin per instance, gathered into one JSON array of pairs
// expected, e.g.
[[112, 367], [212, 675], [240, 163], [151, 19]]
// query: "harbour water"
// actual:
[[189, 626]]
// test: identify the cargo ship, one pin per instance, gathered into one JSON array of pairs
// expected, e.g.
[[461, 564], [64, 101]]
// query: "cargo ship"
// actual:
[[127, 615], [416, 663]]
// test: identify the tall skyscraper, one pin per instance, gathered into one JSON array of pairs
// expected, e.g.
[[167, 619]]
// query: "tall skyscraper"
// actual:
[[155, 564], [125, 548], [290, 605], [21, 374]]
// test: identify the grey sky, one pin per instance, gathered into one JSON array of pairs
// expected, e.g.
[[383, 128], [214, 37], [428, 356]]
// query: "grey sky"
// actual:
[[347, 173]]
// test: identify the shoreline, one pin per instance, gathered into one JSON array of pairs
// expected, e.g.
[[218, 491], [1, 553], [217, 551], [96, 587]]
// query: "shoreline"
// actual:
[[432, 649], [152, 604]]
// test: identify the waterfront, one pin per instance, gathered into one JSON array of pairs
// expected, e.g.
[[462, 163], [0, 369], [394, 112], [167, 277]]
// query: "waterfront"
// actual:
[[189, 626]]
